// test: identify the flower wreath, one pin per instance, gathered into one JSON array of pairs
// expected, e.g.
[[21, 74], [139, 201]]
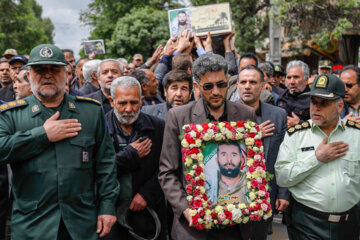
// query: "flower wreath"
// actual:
[[202, 211]]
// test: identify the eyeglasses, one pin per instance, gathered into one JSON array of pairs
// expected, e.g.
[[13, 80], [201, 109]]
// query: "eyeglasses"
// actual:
[[350, 85], [209, 86]]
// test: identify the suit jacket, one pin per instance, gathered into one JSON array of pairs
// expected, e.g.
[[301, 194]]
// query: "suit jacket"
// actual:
[[271, 147], [158, 110], [7, 93], [171, 174]]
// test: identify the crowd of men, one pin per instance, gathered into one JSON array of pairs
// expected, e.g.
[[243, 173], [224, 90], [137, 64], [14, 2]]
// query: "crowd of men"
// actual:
[[90, 149]]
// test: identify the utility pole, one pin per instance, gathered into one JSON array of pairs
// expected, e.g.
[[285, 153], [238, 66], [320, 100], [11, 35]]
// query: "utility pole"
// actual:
[[275, 35]]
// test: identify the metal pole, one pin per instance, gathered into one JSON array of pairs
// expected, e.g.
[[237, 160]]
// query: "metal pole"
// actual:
[[275, 35]]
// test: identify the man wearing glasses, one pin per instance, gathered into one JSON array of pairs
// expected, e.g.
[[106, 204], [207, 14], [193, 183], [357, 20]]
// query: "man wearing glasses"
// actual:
[[350, 75], [209, 73]]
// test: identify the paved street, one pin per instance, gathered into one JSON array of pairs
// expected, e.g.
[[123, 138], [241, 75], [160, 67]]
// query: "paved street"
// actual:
[[279, 229]]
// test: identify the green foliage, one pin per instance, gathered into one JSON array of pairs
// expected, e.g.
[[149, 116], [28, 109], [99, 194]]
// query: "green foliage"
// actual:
[[139, 31], [103, 15], [22, 27], [320, 19], [251, 21]]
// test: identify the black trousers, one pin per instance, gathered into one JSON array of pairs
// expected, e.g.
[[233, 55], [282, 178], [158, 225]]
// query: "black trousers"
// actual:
[[309, 227]]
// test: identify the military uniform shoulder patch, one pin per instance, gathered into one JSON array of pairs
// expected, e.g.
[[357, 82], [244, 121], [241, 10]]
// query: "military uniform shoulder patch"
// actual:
[[13, 104], [352, 124], [87, 99], [298, 127]]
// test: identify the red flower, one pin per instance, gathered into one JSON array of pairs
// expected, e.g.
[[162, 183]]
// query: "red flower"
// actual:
[[251, 153], [254, 183], [189, 189], [195, 218], [190, 141], [197, 203], [214, 215], [258, 142], [198, 135], [187, 136], [228, 126], [228, 214], [198, 170], [251, 134], [262, 187], [240, 124], [195, 151], [193, 127], [204, 196], [251, 169], [188, 177], [196, 192], [205, 126], [199, 226], [257, 128], [201, 182]]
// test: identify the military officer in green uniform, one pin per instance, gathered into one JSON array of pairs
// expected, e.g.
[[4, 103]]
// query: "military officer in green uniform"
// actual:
[[319, 162], [63, 161]]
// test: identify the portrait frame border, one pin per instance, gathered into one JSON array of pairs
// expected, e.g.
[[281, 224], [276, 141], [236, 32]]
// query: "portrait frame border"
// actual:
[[204, 214]]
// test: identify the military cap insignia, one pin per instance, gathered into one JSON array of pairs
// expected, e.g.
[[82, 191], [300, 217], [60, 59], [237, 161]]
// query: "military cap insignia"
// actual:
[[348, 123], [46, 52], [322, 82], [13, 104], [298, 127], [87, 99]]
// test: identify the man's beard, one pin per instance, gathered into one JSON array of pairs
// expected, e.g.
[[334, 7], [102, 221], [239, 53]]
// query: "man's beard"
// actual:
[[59, 89], [182, 23], [122, 117], [230, 172]]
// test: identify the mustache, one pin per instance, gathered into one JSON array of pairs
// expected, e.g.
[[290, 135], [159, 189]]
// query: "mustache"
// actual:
[[229, 164]]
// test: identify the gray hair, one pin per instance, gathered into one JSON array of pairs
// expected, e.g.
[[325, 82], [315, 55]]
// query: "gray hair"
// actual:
[[110, 60], [266, 67], [208, 63], [123, 60], [90, 67], [298, 63], [124, 82]]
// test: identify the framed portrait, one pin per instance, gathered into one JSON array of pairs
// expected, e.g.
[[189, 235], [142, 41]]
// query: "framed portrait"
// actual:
[[225, 171], [179, 20], [214, 18], [94, 46]]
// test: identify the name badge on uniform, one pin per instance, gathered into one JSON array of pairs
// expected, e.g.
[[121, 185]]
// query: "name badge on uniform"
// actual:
[[85, 157], [305, 149]]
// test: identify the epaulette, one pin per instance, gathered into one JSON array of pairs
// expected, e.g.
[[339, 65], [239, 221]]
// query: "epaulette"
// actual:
[[87, 99], [298, 127], [14, 104], [353, 124]]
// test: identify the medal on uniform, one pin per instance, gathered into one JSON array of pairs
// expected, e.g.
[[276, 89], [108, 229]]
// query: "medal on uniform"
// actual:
[[85, 157]]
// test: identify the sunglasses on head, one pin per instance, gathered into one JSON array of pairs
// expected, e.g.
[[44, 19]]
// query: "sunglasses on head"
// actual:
[[350, 85], [209, 86]]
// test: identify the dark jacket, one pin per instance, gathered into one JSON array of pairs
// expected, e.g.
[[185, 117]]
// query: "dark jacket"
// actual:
[[143, 171], [7, 93], [88, 88], [98, 95], [297, 103], [158, 110]]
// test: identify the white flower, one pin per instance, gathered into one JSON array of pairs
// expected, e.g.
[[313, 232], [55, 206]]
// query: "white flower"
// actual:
[[226, 222], [264, 207], [221, 125], [252, 196], [242, 205], [192, 212], [202, 190], [247, 125], [202, 176], [249, 141], [219, 209], [184, 143], [207, 137], [255, 149], [223, 130], [188, 161], [252, 124], [261, 212], [186, 126], [240, 130], [233, 124], [207, 217], [194, 156], [245, 220], [198, 143], [210, 132], [253, 130], [261, 194], [189, 198], [200, 220], [230, 207], [239, 136], [229, 135], [236, 214], [221, 216], [218, 136], [250, 161], [258, 135], [257, 157], [199, 127], [193, 134], [192, 173]]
